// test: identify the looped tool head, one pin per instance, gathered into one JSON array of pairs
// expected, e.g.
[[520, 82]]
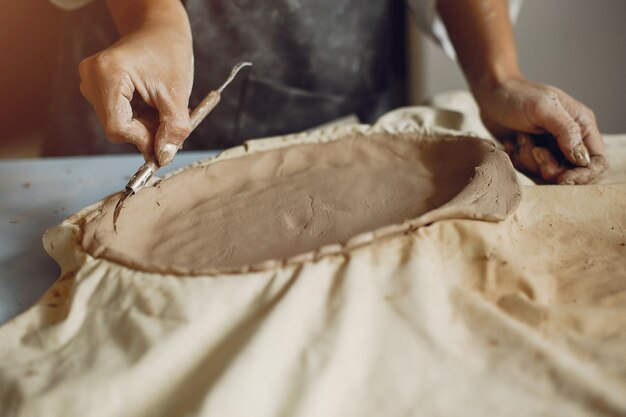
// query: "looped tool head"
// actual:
[[233, 74]]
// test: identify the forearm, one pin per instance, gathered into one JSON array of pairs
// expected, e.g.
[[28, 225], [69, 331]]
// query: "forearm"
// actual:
[[481, 33], [132, 15]]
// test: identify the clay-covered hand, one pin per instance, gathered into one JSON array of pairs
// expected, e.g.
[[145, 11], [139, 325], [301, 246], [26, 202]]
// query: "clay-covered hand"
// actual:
[[546, 132], [140, 86]]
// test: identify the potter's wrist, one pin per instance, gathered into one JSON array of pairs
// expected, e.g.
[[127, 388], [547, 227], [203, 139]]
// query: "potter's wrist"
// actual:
[[488, 81], [131, 16]]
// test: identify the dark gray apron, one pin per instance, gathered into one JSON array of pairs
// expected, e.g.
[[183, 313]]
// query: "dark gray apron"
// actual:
[[314, 61]]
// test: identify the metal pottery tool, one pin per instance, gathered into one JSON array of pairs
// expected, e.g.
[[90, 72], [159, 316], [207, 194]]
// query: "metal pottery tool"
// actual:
[[148, 169]]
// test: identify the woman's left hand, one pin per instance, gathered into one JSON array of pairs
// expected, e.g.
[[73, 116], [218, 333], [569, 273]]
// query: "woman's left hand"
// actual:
[[516, 109]]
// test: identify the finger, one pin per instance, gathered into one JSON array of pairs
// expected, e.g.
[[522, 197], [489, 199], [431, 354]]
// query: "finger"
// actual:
[[110, 92], [556, 120], [592, 138], [584, 175], [525, 146], [174, 128], [586, 119], [549, 168], [593, 141], [120, 126]]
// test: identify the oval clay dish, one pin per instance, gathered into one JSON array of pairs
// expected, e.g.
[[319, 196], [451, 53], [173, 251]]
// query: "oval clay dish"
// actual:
[[292, 199]]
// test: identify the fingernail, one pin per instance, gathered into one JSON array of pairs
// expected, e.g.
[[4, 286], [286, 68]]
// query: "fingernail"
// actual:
[[522, 139], [167, 153], [538, 155], [567, 182], [580, 155]]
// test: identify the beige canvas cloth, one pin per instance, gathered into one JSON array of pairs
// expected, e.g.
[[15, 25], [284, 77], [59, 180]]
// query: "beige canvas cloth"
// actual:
[[525, 317]]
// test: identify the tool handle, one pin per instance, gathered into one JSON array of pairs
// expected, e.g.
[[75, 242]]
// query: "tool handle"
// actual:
[[151, 166], [206, 105]]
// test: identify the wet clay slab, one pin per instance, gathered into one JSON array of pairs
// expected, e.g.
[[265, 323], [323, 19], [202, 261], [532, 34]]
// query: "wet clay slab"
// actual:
[[276, 204]]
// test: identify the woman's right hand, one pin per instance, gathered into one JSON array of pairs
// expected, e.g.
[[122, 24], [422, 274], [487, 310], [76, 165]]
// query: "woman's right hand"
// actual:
[[152, 62]]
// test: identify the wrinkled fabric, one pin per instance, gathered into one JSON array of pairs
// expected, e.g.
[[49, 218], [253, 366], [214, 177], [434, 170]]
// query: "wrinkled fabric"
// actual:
[[525, 317]]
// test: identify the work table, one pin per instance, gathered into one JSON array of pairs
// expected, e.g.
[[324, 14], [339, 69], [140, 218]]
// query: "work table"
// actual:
[[37, 194]]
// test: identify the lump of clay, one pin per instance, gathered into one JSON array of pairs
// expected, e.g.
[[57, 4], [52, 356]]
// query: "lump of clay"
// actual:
[[234, 213]]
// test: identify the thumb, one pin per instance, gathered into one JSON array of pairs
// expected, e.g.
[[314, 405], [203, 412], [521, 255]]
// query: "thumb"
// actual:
[[174, 128], [557, 121]]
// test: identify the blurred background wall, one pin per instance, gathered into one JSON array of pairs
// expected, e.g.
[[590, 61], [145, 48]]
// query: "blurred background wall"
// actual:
[[577, 45], [29, 35]]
